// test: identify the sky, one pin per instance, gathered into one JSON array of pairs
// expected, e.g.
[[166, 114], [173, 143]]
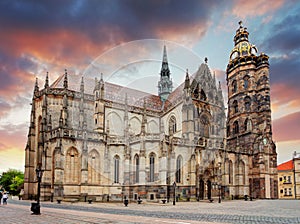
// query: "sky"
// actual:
[[49, 36]]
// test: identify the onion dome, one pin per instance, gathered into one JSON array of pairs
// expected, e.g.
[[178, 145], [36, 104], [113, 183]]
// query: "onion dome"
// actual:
[[242, 46]]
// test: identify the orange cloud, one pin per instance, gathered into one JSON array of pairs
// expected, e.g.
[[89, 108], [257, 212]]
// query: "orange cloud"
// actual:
[[287, 128], [246, 8]]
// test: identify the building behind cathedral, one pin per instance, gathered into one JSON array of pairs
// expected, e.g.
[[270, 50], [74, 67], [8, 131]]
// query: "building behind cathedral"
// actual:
[[104, 141]]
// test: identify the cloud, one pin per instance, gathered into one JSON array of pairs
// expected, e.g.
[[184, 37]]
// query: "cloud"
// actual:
[[246, 8], [287, 128]]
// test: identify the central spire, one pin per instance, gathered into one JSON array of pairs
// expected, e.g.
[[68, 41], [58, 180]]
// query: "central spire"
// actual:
[[165, 84], [165, 71]]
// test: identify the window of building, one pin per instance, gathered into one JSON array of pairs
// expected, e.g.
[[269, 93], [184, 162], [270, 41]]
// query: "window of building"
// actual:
[[203, 95], [235, 106], [247, 101], [152, 160], [235, 127], [280, 178], [246, 82], [234, 86], [72, 166], [116, 169], [178, 169], [93, 167], [285, 191], [228, 131], [290, 191], [289, 179], [172, 125], [281, 191], [284, 179], [137, 168], [230, 172]]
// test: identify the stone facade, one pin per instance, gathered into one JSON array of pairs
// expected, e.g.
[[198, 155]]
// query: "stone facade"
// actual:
[[104, 141]]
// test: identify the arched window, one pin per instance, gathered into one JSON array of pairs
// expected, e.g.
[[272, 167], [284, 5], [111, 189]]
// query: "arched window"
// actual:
[[228, 131], [72, 166], [178, 169], [247, 103], [235, 127], [137, 168], [203, 95], [172, 125], [116, 169], [152, 161], [204, 126], [242, 172], [93, 167], [248, 125], [235, 106], [230, 172], [246, 82], [234, 86]]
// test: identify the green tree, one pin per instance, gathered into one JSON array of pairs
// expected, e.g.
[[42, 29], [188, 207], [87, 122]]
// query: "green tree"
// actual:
[[12, 180]]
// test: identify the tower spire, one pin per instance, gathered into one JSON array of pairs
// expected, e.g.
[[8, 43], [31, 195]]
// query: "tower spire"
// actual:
[[36, 85], [66, 79], [46, 81], [165, 84]]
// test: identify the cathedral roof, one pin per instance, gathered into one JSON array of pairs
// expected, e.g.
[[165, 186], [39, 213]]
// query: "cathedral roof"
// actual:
[[112, 92], [116, 93]]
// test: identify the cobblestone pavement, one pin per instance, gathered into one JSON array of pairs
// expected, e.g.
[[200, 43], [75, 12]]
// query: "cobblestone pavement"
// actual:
[[242, 212]]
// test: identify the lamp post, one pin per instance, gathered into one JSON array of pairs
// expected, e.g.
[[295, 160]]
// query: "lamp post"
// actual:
[[220, 180], [174, 195], [35, 207]]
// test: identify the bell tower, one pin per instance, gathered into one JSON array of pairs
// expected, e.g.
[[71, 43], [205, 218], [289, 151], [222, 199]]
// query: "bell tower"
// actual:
[[251, 151]]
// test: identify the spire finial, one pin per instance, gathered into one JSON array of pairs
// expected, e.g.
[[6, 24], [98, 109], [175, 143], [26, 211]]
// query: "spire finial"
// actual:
[[205, 60], [66, 79], [241, 23], [187, 80], [46, 81], [36, 86], [165, 58], [82, 85]]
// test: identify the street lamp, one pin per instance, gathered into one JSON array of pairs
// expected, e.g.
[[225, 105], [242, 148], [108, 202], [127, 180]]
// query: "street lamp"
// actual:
[[35, 207], [174, 196], [220, 180]]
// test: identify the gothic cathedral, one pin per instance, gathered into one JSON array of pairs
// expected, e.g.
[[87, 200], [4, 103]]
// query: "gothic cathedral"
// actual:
[[98, 140]]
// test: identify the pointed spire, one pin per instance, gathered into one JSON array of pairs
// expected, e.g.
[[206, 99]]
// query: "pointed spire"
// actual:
[[214, 77], [165, 71], [36, 86], [46, 81], [220, 88], [66, 79], [82, 85], [187, 80], [165, 58], [101, 84]]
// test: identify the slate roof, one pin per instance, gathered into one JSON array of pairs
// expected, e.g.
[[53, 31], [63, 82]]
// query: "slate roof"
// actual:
[[114, 92]]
